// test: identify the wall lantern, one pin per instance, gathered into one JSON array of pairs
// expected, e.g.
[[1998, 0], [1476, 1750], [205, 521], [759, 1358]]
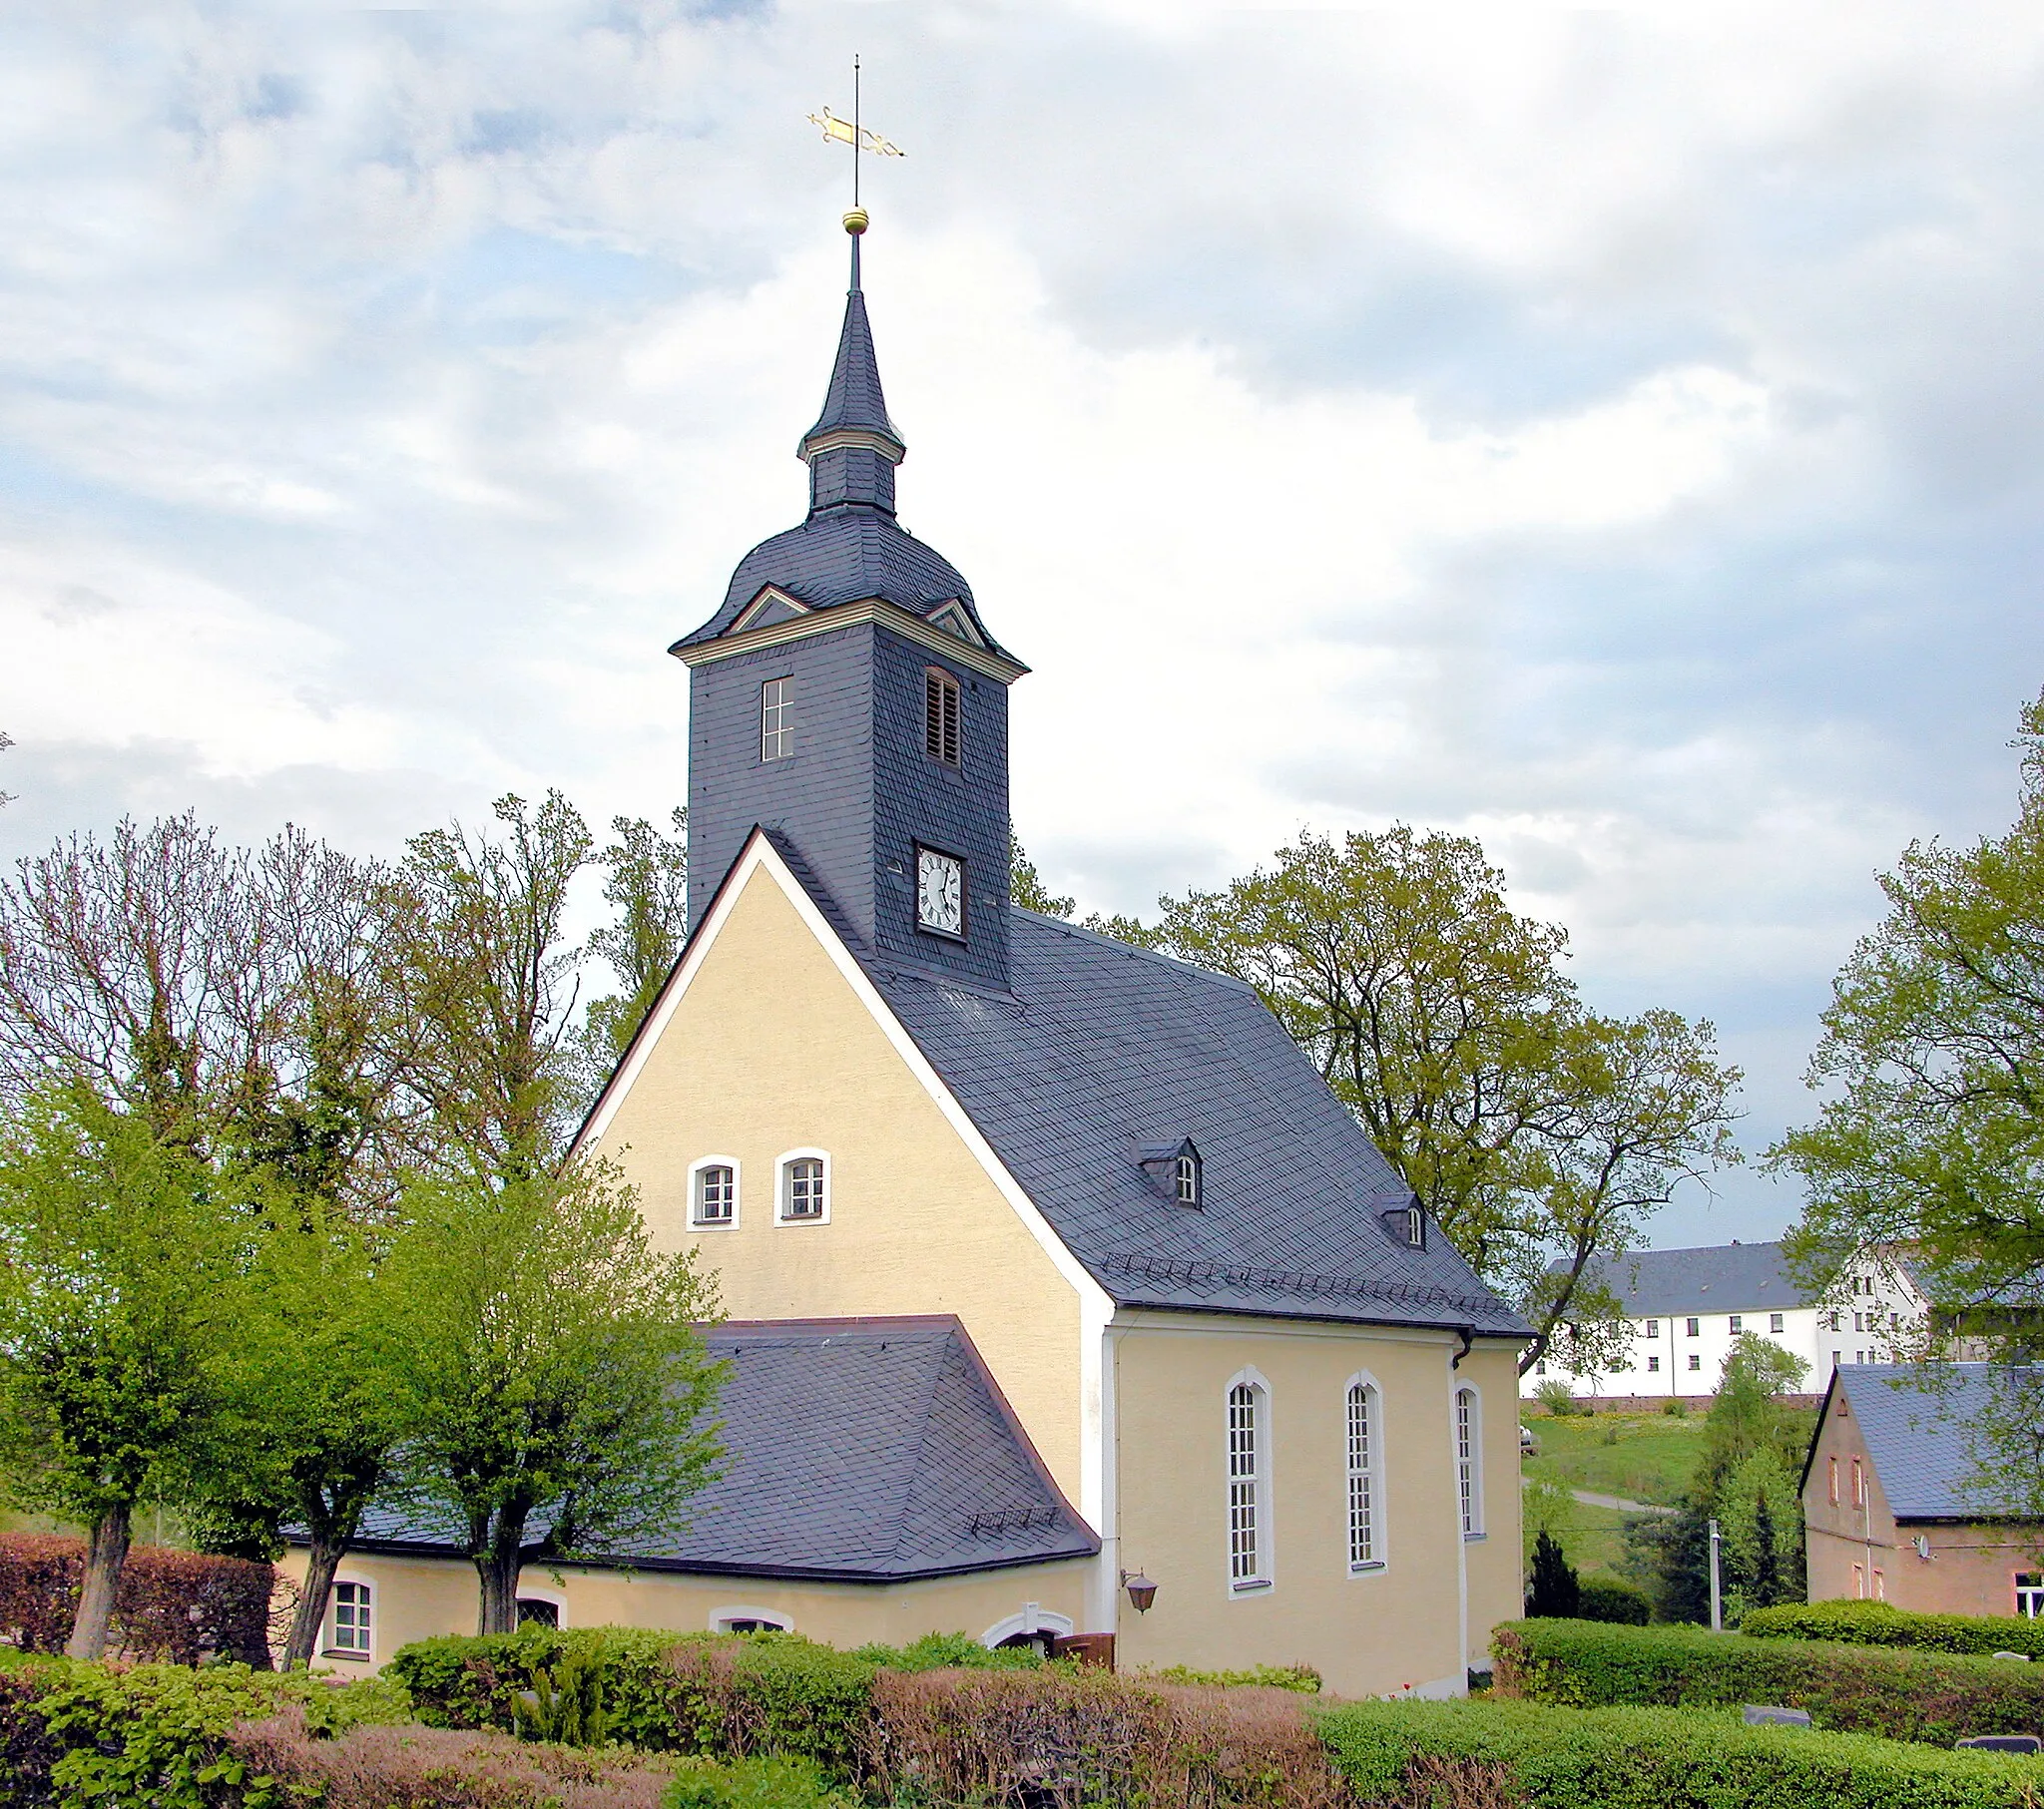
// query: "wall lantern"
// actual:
[[1142, 1592]]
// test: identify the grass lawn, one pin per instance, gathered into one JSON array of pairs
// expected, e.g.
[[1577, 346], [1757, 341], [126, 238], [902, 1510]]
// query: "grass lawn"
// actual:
[[1640, 1456]]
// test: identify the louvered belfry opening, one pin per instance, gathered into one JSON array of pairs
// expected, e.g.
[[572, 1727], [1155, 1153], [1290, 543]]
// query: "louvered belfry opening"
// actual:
[[941, 716]]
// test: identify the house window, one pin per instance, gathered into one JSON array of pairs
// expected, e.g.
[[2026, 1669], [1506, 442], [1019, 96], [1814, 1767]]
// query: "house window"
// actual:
[[1694, 1361], [1653, 1328], [750, 1620], [538, 1611], [1738, 1323], [1364, 1540], [776, 722], [1859, 1583], [2030, 1594], [1654, 1365], [1188, 1167], [1880, 1584], [1859, 1485], [1831, 1322], [1837, 1357], [717, 1194], [1833, 1461], [1693, 1327], [1469, 1461], [1774, 1322], [352, 1611], [804, 1189], [1540, 1368], [1247, 1530], [941, 716]]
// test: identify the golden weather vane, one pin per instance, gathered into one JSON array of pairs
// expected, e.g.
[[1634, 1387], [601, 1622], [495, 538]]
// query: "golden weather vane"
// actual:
[[861, 139]]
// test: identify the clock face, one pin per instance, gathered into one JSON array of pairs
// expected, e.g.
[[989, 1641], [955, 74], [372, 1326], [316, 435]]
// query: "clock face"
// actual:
[[939, 892]]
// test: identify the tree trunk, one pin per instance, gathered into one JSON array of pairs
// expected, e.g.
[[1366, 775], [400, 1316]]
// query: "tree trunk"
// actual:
[[322, 1561], [498, 1565], [105, 1554]]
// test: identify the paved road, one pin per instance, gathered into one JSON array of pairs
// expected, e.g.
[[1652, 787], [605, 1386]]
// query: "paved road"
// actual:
[[1618, 1502]]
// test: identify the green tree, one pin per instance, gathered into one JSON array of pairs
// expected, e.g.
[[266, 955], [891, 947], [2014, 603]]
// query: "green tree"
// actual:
[[561, 1384], [648, 887], [1026, 887], [119, 1293], [1932, 1133], [1539, 1134], [486, 983]]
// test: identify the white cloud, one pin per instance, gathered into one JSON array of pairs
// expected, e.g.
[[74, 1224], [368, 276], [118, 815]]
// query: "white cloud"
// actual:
[[1614, 434]]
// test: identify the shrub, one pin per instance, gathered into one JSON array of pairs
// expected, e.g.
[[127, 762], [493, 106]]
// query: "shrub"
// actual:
[[950, 1651], [177, 1606], [753, 1784], [1876, 1624], [279, 1760], [1502, 1755], [1905, 1695], [1674, 1408], [1064, 1736], [1300, 1678], [1554, 1395], [83, 1733], [1606, 1599]]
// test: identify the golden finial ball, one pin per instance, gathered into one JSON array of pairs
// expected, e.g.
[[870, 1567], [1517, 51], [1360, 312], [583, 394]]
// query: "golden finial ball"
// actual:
[[855, 222]]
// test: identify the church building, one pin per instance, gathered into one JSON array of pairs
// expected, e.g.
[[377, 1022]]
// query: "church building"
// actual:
[[1064, 1298]]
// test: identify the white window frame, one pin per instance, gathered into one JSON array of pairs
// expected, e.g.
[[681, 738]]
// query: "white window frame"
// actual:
[[696, 1222], [1776, 1322], [2029, 1588], [783, 1182], [330, 1633], [1370, 1474], [1260, 1577], [776, 702], [1185, 1178], [1465, 1422], [1034, 1619], [1736, 1323], [721, 1619], [533, 1593]]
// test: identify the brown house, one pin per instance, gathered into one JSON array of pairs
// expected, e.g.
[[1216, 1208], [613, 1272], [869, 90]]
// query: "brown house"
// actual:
[[1888, 1512]]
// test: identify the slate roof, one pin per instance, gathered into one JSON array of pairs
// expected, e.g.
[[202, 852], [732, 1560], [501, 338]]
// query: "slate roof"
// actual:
[[857, 1451], [1917, 1437], [855, 398], [1721, 1278], [1102, 1048]]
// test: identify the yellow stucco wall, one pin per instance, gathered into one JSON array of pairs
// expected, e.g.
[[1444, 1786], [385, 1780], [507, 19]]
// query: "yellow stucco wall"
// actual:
[[1378, 1633], [770, 1050], [418, 1599]]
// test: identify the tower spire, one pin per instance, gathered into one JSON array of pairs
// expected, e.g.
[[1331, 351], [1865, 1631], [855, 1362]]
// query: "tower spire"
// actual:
[[854, 448]]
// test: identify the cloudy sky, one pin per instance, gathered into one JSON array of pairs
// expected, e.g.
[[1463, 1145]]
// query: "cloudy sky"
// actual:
[[1619, 435]]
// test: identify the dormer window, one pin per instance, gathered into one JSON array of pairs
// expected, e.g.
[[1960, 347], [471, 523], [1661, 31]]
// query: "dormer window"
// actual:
[[940, 715], [1408, 1225], [1175, 1169]]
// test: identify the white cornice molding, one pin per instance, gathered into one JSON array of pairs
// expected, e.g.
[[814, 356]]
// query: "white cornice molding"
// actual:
[[864, 439], [877, 610]]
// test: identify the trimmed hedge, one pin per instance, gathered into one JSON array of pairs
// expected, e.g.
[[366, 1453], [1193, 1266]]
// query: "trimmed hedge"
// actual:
[[157, 1734], [180, 1607], [1522, 1755], [1876, 1624], [1902, 1695]]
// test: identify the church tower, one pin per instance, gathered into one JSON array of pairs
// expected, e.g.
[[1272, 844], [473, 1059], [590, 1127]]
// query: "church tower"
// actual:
[[848, 698]]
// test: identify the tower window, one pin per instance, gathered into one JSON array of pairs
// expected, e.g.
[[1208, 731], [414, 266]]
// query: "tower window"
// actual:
[[776, 722], [940, 715]]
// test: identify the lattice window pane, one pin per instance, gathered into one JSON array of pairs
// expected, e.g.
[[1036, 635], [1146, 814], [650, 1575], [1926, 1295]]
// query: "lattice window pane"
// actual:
[[1244, 1555], [805, 1189], [1465, 1459], [776, 728], [715, 1195], [1362, 1529], [352, 1618]]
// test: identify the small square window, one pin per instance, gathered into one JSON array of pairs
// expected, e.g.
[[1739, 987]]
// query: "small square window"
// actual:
[[776, 720], [1652, 1366], [351, 1610], [1653, 1328], [803, 1189], [717, 1194], [1774, 1322], [1693, 1327], [1540, 1368], [1738, 1323], [1696, 1362]]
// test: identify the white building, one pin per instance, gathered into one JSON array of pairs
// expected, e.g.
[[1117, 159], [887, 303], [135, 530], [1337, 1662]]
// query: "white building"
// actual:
[[1686, 1307]]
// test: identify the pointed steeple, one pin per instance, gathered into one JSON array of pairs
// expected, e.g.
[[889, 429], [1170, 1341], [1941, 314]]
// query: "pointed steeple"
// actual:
[[854, 448]]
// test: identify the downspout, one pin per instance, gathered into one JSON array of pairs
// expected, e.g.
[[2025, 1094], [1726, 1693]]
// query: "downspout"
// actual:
[[1467, 1333]]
